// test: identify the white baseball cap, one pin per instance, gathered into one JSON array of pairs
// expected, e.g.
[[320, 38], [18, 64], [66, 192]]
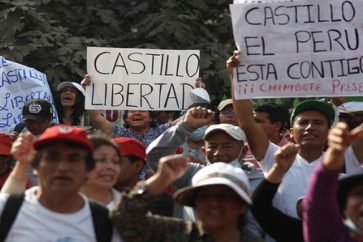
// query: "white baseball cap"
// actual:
[[224, 104], [352, 107], [199, 95], [218, 173], [70, 84], [234, 131]]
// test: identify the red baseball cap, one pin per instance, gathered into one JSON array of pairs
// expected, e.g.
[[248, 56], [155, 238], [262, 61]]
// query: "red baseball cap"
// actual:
[[130, 146], [5, 144], [64, 133]]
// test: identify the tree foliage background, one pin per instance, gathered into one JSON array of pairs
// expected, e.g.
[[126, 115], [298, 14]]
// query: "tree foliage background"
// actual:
[[52, 36]]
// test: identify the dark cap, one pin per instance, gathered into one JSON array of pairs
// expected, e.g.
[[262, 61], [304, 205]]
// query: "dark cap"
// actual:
[[320, 106], [37, 110]]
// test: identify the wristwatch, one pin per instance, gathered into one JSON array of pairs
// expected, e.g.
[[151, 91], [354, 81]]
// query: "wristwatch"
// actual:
[[141, 190]]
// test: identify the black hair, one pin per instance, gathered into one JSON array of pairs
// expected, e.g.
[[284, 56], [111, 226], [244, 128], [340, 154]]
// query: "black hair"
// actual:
[[276, 113], [78, 110], [90, 162], [133, 158], [344, 190], [152, 116]]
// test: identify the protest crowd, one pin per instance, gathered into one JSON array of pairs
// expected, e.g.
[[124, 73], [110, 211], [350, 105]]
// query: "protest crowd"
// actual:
[[233, 172]]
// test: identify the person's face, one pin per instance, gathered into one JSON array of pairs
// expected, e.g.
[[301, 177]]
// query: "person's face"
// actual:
[[36, 127], [220, 147], [62, 169], [165, 116], [138, 119], [68, 97], [310, 128], [228, 116], [354, 206], [107, 167], [129, 171], [218, 206], [271, 129]]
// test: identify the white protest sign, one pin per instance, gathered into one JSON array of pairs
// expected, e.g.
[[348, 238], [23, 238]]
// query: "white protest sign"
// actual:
[[18, 84], [254, 1], [143, 79], [298, 48]]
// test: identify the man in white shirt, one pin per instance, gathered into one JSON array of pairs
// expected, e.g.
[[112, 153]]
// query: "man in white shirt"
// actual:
[[55, 210], [310, 122]]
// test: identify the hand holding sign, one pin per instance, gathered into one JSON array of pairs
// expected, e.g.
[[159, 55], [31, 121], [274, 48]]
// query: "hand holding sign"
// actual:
[[199, 83], [231, 63], [86, 81]]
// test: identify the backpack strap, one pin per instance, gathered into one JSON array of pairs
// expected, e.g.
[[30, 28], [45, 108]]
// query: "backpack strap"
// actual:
[[101, 222], [10, 211]]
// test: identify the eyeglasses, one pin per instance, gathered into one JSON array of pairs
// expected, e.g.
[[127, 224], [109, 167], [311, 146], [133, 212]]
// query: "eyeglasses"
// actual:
[[227, 112]]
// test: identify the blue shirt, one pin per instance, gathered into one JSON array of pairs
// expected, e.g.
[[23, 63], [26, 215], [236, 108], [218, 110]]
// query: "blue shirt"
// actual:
[[146, 139]]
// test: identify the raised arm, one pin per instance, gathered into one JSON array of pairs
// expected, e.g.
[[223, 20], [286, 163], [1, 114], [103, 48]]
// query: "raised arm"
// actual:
[[339, 139], [168, 141], [256, 137], [98, 121], [23, 151], [170, 169], [284, 158], [131, 218], [277, 224], [322, 219]]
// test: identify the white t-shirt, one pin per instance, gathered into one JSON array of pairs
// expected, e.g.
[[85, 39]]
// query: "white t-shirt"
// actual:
[[34, 222], [116, 199], [296, 180]]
